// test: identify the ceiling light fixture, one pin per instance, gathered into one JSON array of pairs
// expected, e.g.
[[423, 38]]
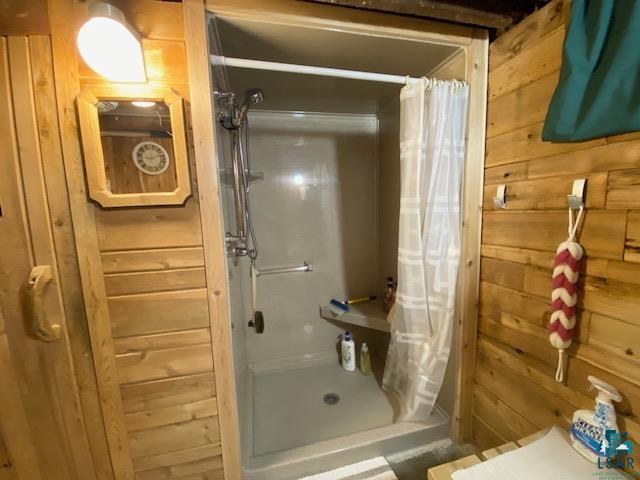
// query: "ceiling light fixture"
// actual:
[[110, 46]]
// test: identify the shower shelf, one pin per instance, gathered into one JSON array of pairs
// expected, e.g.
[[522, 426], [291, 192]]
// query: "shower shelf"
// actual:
[[368, 315], [226, 177]]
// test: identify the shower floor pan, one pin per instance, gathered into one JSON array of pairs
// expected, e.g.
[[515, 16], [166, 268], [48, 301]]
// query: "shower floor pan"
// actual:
[[312, 416]]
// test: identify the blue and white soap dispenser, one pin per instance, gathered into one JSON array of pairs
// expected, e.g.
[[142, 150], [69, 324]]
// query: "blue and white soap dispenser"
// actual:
[[590, 426]]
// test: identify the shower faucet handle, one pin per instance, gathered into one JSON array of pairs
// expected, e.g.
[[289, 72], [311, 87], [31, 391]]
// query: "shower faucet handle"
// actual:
[[225, 96], [257, 322], [235, 246]]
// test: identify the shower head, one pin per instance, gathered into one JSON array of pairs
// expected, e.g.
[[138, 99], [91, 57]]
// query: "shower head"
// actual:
[[254, 95], [251, 97]]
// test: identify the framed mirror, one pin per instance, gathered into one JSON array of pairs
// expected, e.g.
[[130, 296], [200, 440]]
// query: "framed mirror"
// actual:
[[134, 144]]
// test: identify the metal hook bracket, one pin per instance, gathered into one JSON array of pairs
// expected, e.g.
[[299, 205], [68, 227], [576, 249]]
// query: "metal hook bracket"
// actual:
[[578, 191], [500, 200]]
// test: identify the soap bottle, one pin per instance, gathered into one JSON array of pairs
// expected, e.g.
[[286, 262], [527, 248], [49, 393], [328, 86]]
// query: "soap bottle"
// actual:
[[389, 294], [589, 427], [348, 352], [365, 360]]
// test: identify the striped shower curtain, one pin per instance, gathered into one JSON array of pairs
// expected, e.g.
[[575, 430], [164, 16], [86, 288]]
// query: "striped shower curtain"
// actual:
[[432, 139]]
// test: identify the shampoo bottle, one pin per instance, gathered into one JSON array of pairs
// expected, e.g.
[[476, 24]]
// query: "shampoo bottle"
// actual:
[[348, 352], [589, 426]]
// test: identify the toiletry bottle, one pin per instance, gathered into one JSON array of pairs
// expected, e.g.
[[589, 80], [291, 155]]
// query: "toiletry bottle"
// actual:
[[589, 426], [348, 352], [365, 359], [389, 294]]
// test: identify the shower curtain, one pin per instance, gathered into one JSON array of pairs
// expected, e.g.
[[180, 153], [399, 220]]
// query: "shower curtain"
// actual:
[[432, 138]]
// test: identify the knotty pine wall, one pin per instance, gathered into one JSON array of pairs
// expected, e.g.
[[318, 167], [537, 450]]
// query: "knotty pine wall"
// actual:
[[152, 266], [515, 392]]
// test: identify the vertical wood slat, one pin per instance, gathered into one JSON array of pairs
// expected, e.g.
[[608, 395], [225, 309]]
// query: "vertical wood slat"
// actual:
[[67, 88], [468, 289], [62, 231], [66, 400], [31, 417], [632, 240], [211, 216], [13, 422], [7, 470], [15, 426]]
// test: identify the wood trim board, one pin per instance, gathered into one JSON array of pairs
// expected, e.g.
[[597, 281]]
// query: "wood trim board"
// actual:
[[200, 86], [68, 275], [469, 281], [473, 44], [285, 12], [67, 87]]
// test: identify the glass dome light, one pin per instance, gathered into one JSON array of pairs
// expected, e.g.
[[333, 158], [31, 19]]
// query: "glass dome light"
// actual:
[[109, 46]]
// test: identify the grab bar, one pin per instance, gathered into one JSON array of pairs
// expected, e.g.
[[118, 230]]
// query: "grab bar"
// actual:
[[305, 267]]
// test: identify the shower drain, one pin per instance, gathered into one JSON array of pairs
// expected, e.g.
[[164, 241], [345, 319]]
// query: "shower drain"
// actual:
[[331, 398]]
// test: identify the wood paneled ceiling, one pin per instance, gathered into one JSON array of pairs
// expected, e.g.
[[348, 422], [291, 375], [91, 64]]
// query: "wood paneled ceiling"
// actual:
[[492, 14]]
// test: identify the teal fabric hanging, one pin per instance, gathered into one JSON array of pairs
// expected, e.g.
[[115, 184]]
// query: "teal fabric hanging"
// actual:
[[598, 93]]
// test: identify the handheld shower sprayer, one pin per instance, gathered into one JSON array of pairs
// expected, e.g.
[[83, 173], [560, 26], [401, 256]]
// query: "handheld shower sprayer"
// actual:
[[253, 96], [235, 120]]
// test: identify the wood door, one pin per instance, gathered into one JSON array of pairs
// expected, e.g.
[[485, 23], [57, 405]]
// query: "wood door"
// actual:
[[42, 432]]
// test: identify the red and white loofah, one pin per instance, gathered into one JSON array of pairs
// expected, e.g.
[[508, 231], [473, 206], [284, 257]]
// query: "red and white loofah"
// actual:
[[564, 293]]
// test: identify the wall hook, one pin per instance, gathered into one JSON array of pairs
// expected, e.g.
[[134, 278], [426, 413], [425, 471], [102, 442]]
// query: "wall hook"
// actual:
[[500, 200], [578, 191]]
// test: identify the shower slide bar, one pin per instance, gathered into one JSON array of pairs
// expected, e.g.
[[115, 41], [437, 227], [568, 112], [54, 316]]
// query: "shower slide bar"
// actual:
[[305, 267], [310, 70]]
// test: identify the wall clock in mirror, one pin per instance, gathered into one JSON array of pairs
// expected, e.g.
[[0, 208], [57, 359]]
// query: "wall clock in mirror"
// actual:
[[150, 158]]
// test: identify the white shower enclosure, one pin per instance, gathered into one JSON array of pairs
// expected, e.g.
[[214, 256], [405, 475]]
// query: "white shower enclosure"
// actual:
[[325, 189]]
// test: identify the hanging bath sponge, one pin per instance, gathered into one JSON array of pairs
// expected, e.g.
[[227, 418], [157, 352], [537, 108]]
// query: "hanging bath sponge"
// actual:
[[564, 293]]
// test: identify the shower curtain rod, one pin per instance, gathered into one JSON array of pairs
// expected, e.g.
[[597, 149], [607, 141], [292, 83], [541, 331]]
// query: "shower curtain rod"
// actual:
[[310, 70]]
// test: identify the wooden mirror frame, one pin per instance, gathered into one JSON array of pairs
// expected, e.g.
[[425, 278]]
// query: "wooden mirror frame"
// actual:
[[87, 102]]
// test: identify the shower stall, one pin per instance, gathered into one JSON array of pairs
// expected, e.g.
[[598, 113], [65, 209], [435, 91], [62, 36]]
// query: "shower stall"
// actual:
[[307, 137]]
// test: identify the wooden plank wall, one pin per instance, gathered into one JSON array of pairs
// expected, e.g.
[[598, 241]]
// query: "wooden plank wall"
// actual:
[[44, 378], [152, 266], [515, 392]]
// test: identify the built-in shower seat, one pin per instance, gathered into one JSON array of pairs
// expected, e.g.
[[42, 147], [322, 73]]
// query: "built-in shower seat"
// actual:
[[368, 315]]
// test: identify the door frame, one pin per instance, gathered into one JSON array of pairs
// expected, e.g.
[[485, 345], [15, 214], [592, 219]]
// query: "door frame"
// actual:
[[473, 42]]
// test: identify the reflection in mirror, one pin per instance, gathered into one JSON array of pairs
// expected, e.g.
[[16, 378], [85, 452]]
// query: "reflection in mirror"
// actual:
[[137, 146]]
